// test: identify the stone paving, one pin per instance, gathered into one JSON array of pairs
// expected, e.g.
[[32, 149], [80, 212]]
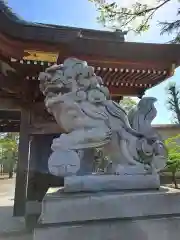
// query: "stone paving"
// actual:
[[12, 228]]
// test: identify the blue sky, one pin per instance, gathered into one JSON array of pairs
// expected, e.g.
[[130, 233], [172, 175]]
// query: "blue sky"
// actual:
[[81, 13]]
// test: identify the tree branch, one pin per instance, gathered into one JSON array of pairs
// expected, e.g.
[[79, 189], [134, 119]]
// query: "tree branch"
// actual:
[[169, 27], [112, 15], [109, 8]]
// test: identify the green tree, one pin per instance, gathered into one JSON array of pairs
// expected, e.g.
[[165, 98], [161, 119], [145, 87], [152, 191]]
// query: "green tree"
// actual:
[[127, 103], [173, 163], [9, 150], [174, 102], [136, 17]]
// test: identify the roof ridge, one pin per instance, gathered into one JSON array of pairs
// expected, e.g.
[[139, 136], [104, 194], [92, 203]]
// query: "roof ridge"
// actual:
[[8, 11]]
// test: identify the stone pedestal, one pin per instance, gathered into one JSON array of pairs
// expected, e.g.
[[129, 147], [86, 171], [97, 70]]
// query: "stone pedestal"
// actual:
[[142, 215], [96, 183]]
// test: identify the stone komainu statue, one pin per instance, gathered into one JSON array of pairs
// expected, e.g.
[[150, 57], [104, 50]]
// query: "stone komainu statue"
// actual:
[[82, 106]]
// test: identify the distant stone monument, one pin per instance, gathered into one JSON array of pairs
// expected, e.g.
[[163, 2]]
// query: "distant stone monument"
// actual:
[[110, 203]]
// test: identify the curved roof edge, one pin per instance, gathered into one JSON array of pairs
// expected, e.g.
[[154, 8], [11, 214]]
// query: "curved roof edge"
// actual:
[[15, 27]]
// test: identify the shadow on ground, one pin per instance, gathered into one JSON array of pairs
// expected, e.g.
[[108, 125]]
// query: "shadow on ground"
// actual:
[[12, 227]]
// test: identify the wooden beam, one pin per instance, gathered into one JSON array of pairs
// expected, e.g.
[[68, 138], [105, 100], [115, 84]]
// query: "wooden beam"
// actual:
[[9, 104], [11, 83], [144, 53], [125, 91], [16, 49], [45, 128], [10, 115], [18, 86], [105, 62], [9, 128], [22, 166]]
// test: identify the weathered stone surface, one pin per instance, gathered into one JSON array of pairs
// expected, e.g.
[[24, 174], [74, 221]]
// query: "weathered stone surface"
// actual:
[[146, 215], [95, 183], [150, 229], [82, 107], [63, 208]]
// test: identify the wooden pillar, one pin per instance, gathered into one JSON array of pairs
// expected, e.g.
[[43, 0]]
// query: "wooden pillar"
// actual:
[[22, 166], [40, 149], [39, 179]]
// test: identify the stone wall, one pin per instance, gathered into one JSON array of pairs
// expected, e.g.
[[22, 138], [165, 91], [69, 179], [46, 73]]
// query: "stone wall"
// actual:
[[168, 130]]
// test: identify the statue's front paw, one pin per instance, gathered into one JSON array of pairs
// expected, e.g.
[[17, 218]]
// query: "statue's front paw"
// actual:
[[64, 163]]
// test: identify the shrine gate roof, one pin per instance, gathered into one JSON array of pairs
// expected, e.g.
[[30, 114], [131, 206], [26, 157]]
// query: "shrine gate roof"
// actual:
[[127, 68]]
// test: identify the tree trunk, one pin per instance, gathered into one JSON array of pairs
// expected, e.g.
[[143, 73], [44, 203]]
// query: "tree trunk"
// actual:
[[174, 180]]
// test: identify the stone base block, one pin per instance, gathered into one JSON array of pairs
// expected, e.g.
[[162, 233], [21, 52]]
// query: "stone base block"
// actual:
[[146, 215], [156, 229], [96, 183]]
